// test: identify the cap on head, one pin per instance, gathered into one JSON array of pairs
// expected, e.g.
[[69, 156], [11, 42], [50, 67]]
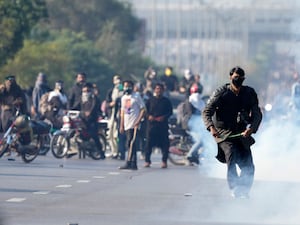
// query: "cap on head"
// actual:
[[10, 77]]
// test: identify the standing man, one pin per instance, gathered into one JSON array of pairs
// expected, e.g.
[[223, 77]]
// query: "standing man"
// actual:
[[231, 115], [75, 93], [132, 112], [112, 99], [41, 87], [159, 109]]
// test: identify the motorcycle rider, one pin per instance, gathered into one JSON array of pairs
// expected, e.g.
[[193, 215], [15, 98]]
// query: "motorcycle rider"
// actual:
[[57, 100], [11, 98], [89, 112]]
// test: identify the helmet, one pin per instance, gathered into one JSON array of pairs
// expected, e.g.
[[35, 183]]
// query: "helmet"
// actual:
[[194, 89]]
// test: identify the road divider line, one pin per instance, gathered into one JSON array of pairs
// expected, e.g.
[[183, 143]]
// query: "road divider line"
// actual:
[[41, 192], [83, 181], [113, 173], [64, 186], [16, 200], [99, 177]]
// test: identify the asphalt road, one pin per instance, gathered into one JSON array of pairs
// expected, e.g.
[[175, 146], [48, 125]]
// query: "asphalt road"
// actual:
[[50, 191]]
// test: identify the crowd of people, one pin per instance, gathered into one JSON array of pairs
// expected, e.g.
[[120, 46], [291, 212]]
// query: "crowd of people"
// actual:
[[138, 116], [128, 106]]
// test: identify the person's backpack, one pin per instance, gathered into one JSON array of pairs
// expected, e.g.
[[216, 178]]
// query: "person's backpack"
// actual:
[[44, 105]]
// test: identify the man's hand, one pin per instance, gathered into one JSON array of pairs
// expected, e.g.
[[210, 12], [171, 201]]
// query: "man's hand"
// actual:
[[159, 118], [2, 87], [213, 131], [247, 132], [150, 118], [121, 129]]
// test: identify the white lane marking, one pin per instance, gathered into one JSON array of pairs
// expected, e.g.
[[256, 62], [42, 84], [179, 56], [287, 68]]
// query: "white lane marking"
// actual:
[[99, 177], [41, 192], [64, 186], [83, 181], [16, 199], [113, 173]]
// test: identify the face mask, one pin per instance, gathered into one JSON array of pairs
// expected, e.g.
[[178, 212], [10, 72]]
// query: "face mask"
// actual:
[[127, 90], [238, 81], [85, 96]]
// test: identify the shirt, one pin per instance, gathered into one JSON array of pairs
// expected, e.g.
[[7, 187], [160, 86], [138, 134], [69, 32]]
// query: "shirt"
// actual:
[[131, 105]]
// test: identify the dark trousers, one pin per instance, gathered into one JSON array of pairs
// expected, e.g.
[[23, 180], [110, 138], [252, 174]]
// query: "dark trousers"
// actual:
[[92, 130], [6, 119], [238, 154], [121, 145], [131, 143], [157, 137]]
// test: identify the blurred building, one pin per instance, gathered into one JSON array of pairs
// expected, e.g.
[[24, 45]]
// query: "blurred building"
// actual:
[[210, 36]]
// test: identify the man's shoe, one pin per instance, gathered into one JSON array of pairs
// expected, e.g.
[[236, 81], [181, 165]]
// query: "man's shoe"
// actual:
[[147, 165], [115, 157], [71, 154], [193, 159], [134, 166], [164, 165], [127, 166], [235, 193]]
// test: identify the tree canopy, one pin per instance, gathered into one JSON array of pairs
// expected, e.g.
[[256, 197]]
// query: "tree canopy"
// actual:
[[61, 38], [16, 20]]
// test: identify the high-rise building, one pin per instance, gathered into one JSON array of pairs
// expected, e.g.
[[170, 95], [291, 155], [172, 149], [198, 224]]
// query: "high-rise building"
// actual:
[[210, 36]]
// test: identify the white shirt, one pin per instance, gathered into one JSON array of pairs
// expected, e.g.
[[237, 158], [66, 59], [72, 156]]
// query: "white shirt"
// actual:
[[131, 105]]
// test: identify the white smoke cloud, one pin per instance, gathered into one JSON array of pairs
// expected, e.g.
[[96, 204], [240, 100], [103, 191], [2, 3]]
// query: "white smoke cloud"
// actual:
[[275, 195]]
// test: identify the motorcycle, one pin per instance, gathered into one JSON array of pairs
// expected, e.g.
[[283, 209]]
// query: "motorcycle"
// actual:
[[180, 144], [72, 139], [25, 137]]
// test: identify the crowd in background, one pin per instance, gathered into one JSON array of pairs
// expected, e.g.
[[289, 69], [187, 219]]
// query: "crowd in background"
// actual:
[[44, 102]]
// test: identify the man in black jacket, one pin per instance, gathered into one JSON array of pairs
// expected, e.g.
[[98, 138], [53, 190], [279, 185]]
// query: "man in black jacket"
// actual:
[[231, 115], [90, 110], [75, 94], [159, 109], [12, 97]]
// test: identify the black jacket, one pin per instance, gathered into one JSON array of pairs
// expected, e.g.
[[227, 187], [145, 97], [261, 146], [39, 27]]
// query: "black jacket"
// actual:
[[230, 113], [75, 96], [93, 107], [159, 107]]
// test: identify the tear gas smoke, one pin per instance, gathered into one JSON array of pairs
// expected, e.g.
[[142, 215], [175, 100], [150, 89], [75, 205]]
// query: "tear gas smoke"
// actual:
[[275, 196]]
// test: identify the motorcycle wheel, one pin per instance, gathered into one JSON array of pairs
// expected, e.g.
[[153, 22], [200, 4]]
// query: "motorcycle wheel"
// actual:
[[3, 147], [45, 144], [59, 145], [176, 155], [30, 152], [93, 151]]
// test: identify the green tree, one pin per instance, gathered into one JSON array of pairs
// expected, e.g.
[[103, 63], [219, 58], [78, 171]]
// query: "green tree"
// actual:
[[110, 24], [16, 19], [60, 55], [89, 16]]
